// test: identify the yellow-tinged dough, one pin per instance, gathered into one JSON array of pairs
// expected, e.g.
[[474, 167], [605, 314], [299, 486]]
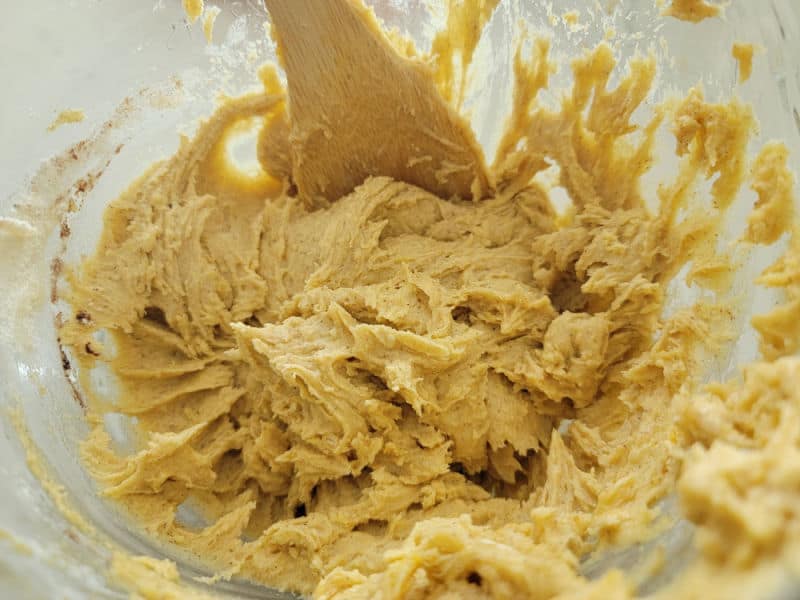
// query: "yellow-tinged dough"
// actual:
[[454, 46], [401, 396], [151, 579], [741, 484], [780, 328], [209, 18], [38, 467], [15, 543], [743, 53], [193, 9], [66, 117], [571, 18], [773, 182], [692, 10]]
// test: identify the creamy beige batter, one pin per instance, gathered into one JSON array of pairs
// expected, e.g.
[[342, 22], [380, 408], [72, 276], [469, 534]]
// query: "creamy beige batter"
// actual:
[[405, 396]]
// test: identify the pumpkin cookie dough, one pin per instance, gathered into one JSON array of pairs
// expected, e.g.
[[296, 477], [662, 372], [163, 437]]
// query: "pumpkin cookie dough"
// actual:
[[401, 395]]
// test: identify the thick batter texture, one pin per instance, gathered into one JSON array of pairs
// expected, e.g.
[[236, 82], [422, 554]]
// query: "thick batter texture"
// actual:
[[406, 396]]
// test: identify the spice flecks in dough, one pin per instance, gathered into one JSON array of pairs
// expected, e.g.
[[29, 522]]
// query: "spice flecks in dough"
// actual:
[[321, 366]]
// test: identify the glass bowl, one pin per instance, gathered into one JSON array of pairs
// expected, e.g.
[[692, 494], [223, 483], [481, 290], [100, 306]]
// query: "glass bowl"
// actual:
[[142, 74]]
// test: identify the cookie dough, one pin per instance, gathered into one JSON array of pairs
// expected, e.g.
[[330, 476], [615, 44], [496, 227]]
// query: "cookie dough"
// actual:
[[193, 9], [406, 396], [743, 53], [66, 117], [693, 11]]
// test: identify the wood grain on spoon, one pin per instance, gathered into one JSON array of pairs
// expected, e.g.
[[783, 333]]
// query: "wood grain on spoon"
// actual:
[[357, 108]]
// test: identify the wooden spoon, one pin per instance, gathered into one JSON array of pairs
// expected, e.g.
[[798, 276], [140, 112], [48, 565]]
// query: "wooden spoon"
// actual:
[[357, 108]]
